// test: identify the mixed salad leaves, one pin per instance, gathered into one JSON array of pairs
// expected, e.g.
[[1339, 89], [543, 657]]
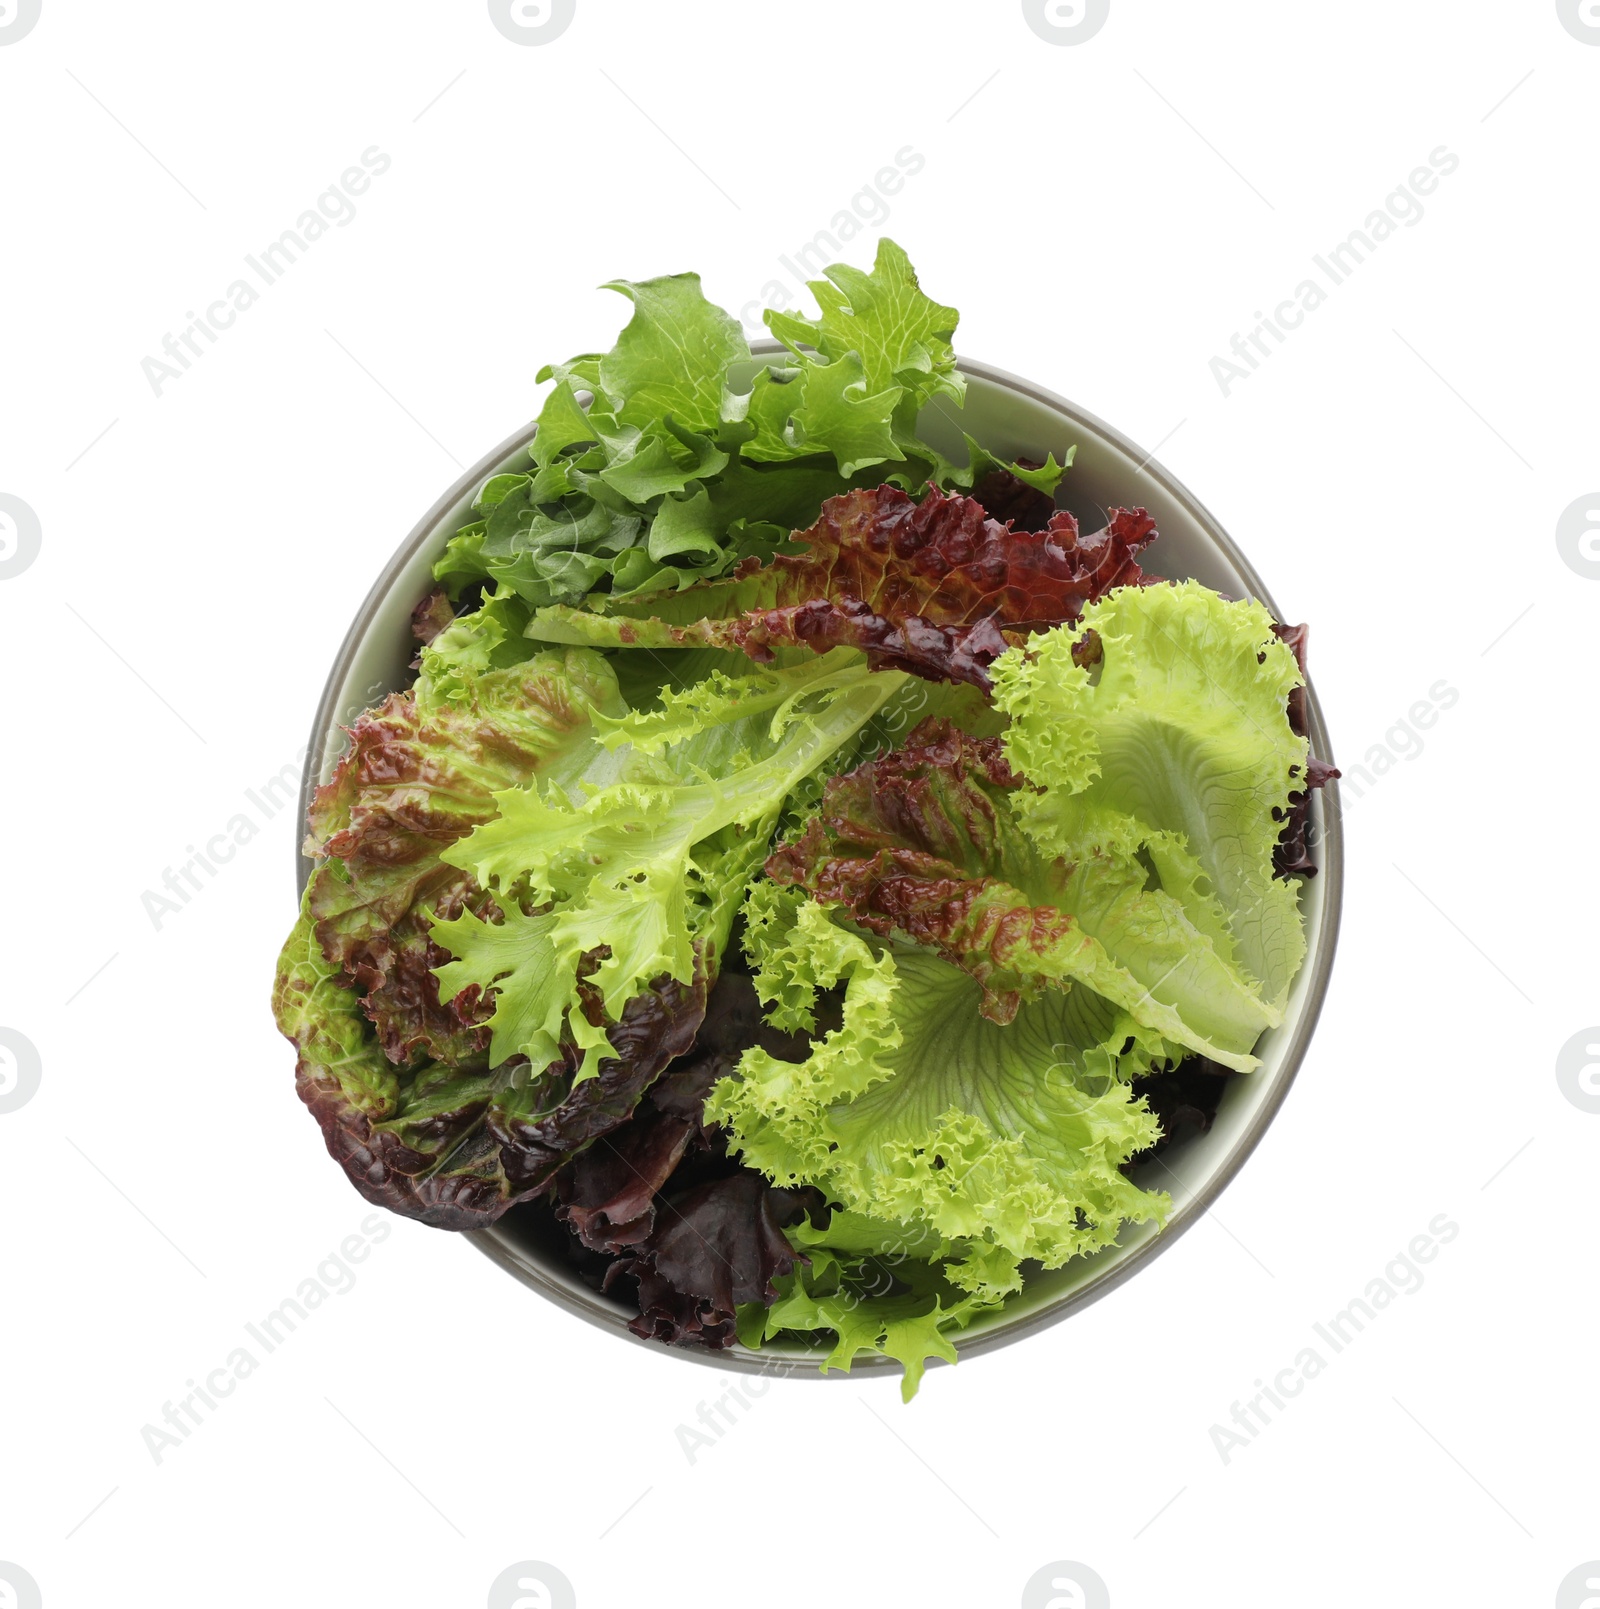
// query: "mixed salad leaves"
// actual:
[[807, 868]]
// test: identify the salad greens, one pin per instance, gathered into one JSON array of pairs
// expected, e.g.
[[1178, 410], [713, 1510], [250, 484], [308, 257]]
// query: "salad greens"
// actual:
[[649, 868], [676, 455], [801, 861]]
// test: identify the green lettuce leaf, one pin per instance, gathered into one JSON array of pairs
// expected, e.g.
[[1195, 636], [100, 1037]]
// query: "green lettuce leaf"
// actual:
[[878, 1287], [901, 336], [1174, 737], [1005, 1143], [676, 456], [672, 359], [822, 405], [925, 845], [642, 875], [491, 637]]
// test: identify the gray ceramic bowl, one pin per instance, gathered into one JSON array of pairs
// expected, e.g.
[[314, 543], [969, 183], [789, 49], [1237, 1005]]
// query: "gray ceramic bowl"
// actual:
[[1012, 418]]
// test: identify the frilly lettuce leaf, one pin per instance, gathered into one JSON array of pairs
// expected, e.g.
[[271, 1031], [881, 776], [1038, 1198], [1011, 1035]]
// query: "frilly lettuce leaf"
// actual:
[[422, 769], [929, 587], [1177, 734], [400, 1075], [638, 877], [900, 336], [925, 845], [878, 1288], [456, 1145], [1004, 1143]]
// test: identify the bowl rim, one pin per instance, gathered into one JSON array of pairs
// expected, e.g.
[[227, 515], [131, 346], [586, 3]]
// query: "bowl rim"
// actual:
[[496, 1245]]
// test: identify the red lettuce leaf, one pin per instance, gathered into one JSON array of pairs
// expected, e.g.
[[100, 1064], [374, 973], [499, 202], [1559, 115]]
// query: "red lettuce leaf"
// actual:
[[608, 1194], [418, 775], [552, 1117], [470, 1192], [400, 993], [398, 1079], [946, 561], [1012, 500], [714, 1248], [911, 844], [694, 1232], [454, 1147], [930, 587]]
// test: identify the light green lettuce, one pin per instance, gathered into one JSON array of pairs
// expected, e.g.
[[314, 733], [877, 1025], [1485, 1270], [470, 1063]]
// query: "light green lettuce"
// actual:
[[1178, 743], [964, 1146], [640, 874]]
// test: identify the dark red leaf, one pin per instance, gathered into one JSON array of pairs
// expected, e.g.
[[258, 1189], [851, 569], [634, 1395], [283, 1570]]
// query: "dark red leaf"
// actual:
[[933, 587], [460, 1163], [607, 1194], [1013, 500], [714, 1248], [1293, 851], [692, 1231]]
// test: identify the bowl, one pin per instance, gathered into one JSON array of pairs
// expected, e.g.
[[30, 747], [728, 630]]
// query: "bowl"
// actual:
[[1013, 418]]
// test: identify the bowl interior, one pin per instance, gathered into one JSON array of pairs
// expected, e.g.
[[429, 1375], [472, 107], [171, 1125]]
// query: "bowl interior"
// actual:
[[1013, 419]]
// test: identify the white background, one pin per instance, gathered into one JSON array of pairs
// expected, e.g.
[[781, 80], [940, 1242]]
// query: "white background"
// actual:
[[1106, 216]]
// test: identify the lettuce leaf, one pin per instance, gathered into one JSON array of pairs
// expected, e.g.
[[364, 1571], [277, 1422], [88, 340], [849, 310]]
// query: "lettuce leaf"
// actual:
[[900, 335], [925, 845], [676, 456], [878, 1288], [1177, 740], [1005, 1143], [422, 769], [491, 637], [929, 587], [715, 1248], [608, 1195], [456, 1145], [644, 873], [660, 1207], [401, 1075], [672, 360]]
